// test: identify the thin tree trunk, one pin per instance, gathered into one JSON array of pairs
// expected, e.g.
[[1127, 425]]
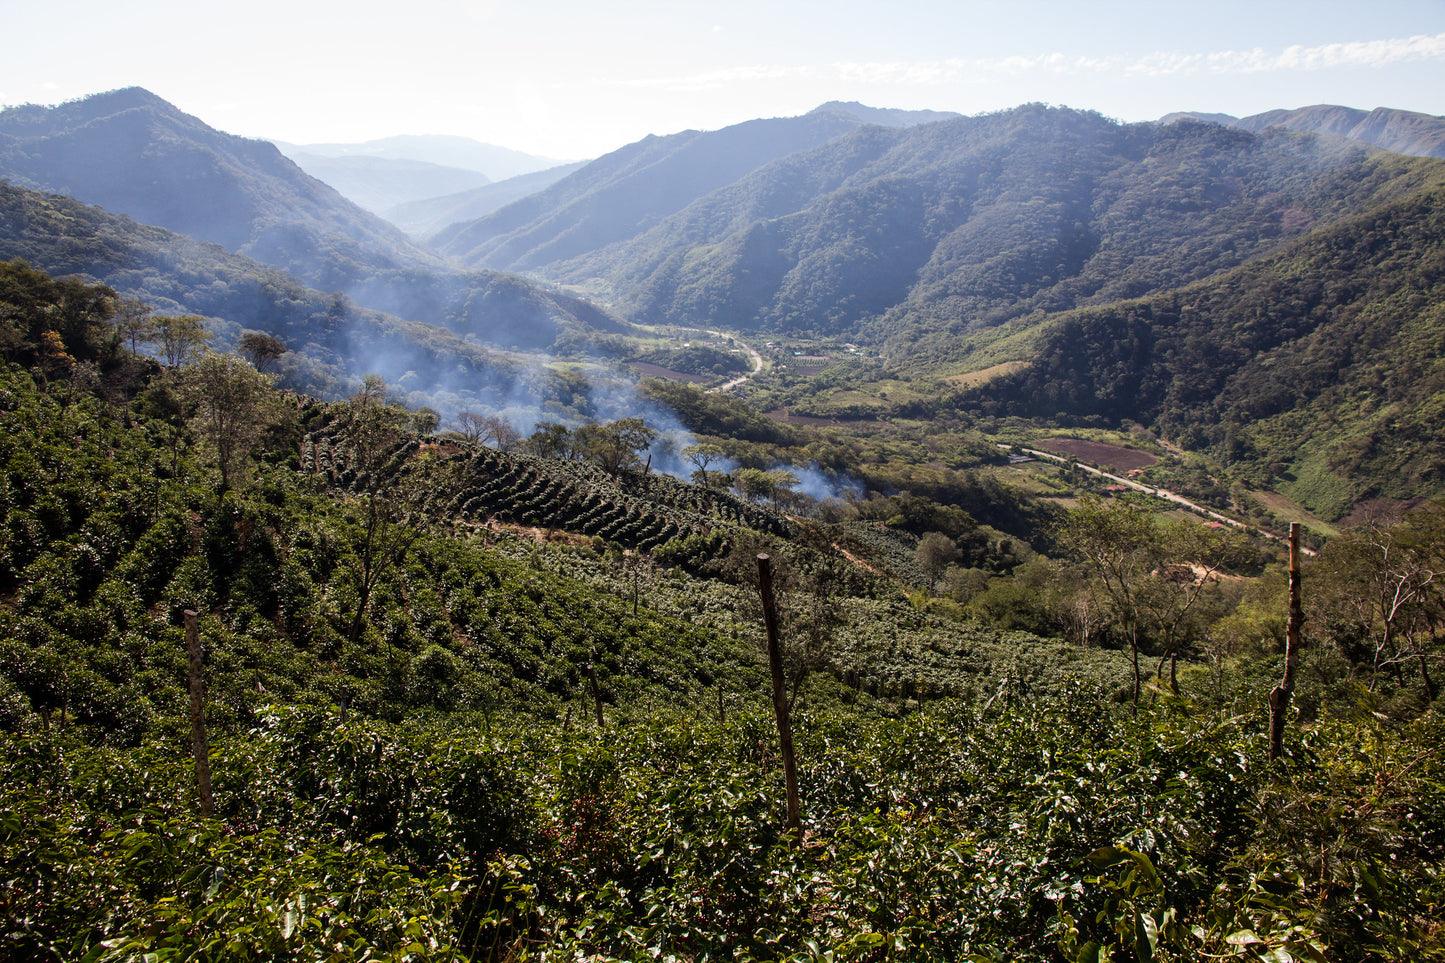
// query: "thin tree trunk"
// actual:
[[200, 747], [596, 693], [1280, 696], [780, 695]]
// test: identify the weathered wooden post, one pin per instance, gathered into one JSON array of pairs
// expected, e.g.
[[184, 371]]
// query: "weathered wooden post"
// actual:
[[1280, 696], [199, 744], [596, 692], [780, 694]]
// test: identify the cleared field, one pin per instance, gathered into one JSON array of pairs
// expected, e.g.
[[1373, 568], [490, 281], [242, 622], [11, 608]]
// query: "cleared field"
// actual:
[[973, 379], [1099, 453], [1286, 510]]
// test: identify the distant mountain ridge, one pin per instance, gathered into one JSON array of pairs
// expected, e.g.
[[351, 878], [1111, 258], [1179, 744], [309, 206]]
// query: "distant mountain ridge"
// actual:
[[1402, 131], [131, 152], [134, 154], [883, 116], [497, 163], [427, 216], [378, 184], [926, 233], [618, 196]]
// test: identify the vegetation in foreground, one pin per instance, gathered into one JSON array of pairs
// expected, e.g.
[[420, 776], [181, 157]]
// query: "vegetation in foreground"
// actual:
[[411, 759]]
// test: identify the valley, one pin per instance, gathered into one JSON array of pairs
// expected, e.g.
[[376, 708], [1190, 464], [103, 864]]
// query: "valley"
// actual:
[[469, 525]]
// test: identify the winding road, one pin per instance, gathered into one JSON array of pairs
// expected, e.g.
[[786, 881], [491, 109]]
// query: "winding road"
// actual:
[[1163, 493], [741, 379]]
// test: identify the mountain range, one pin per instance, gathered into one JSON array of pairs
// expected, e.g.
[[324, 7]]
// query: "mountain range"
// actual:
[[1110, 269], [1402, 131], [134, 154], [379, 175]]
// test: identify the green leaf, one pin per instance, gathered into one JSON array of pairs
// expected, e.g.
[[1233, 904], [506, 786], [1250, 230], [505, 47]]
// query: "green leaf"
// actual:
[[1146, 936]]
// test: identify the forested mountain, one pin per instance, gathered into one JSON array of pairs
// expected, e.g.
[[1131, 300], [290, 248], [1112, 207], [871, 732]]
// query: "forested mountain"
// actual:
[[931, 232], [145, 161], [426, 217], [332, 340], [1318, 371], [618, 196], [133, 153], [1402, 131]]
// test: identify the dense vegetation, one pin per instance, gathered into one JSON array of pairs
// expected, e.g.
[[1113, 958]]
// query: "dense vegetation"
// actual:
[[1313, 371], [437, 739], [1266, 300]]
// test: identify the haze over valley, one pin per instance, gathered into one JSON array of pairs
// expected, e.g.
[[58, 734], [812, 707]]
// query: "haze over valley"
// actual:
[[851, 532]]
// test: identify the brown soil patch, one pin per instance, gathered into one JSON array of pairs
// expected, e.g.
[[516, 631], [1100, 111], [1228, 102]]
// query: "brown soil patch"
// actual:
[[859, 562], [984, 375], [536, 533], [1099, 453]]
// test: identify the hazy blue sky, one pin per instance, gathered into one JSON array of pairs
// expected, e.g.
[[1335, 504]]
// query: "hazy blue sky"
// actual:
[[570, 79]]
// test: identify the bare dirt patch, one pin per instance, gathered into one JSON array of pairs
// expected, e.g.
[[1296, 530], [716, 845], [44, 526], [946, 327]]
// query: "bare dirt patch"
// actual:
[[1100, 453], [984, 375]]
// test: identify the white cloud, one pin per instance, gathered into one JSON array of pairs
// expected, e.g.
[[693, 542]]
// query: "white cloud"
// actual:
[[1367, 53], [938, 73]]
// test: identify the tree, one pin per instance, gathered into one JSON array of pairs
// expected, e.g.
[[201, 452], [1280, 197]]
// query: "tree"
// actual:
[[616, 445], [549, 439], [424, 421], [481, 429], [1381, 592], [373, 427], [133, 323], [1191, 557], [180, 337], [1119, 543], [701, 455], [233, 405], [753, 483], [935, 552], [260, 348]]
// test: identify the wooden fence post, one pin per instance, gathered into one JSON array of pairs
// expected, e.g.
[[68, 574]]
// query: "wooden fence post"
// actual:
[[199, 744], [780, 694], [596, 692], [1280, 696]]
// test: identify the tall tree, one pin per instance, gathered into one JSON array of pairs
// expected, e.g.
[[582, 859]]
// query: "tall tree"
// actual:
[[1119, 542], [1381, 594], [134, 324], [617, 445], [701, 455], [389, 526], [180, 337], [233, 404], [260, 348], [935, 552]]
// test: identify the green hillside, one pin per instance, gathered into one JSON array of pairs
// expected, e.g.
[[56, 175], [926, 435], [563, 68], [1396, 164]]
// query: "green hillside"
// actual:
[[922, 236], [332, 341], [144, 162], [1316, 372], [472, 704]]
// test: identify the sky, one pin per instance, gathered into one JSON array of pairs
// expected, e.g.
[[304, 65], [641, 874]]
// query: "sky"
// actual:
[[568, 79]]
